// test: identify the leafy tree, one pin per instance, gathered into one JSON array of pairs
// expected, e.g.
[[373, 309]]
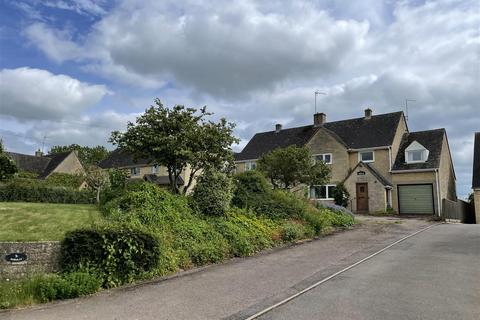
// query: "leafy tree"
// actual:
[[8, 168], [179, 138], [212, 193], [96, 179], [341, 195], [88, 155], [290, 166]]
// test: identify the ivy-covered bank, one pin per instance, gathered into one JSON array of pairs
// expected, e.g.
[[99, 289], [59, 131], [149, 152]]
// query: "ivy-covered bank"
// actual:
[[150, 232]]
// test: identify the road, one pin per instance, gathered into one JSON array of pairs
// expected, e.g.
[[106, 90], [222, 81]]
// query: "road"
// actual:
[[433, 275], [242, 287]]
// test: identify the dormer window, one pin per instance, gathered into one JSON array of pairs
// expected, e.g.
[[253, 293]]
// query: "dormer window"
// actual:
[[416, 153]]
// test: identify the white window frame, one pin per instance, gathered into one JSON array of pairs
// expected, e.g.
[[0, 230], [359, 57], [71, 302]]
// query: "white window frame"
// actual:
[[135, 171], [424, 156], [365, 151], [155, 169], [322, 155], [329, 196], [250, 165]]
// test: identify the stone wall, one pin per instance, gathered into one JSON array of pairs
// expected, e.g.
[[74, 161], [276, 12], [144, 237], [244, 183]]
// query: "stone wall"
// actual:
[[42, 257]]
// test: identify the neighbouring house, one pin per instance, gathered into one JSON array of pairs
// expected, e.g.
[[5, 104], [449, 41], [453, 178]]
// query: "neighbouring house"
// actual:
[[476, 176], [44, 165], [381, 163], [145, 169]]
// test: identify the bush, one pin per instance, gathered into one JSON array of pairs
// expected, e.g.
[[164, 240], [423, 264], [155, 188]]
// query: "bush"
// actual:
[[292, 231], [147, 205], [341, 195], [245, 233], [72, 181], [282, 204], [250, 188], [212, 193], [122, 253], [34, 192], [66, 286]]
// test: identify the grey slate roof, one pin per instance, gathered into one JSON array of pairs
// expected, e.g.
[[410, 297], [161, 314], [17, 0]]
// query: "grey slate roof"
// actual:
[[476, 162], [430, 139], [29, 163], [355, 133], [55, 160], [43, 166], [120, 158]]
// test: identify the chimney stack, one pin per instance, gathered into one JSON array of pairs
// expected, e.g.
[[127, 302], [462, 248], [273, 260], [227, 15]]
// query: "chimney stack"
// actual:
[[368, 113], [38, 153], [319, 119], [278, 128]]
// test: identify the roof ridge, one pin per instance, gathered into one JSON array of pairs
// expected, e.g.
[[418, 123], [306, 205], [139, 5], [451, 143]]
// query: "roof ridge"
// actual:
[[430, 130]]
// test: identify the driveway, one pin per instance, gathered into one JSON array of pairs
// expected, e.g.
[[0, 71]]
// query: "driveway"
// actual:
[[434, 275], [242, 287]]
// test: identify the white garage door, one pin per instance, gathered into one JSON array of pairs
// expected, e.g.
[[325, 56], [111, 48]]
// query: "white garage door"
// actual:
[[416, 199]]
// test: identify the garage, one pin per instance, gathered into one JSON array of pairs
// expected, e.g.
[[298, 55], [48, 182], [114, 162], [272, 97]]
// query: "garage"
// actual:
[[416, 199]]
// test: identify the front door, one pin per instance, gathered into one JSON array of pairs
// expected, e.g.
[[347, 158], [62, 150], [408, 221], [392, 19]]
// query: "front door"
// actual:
[[362, 197]]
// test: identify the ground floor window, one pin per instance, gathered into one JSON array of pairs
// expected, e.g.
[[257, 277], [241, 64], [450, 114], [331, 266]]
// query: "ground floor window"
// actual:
[[135, 171], [251, 165], [324, 192]]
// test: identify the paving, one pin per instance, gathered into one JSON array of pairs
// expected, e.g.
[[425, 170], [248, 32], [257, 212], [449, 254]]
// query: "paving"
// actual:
[[433, 275], [238, 288]]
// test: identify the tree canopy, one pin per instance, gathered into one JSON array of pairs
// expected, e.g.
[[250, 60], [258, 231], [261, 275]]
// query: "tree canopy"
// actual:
[[290, 166], [88, 155], [8, 168], [179, 138]]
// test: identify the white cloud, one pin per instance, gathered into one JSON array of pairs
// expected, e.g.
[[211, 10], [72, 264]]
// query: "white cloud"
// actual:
[[28, 93]]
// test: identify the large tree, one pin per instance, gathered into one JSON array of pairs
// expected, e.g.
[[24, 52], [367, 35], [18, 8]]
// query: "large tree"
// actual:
[[179, 138], [8, 168], [88, 155], [290, 166]]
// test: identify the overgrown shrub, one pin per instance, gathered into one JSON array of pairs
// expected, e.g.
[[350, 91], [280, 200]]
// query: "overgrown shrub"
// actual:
[[122, 253], [341, 195], [292, 231], [250, 188], [245, 233], [212, 193], [282, 204], [66, 286], [33, 192]]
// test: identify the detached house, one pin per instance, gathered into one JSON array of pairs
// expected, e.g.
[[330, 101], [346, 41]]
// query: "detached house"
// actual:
[[141, 169], [45, 165], [380, 162], [476, 176]]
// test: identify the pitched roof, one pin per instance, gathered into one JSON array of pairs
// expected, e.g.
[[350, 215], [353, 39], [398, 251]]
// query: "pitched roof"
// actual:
[[358, 133], [119, 158], [55, 160], [476, 162], [432, 140], [384, 181], [29, 163], [41, 165]]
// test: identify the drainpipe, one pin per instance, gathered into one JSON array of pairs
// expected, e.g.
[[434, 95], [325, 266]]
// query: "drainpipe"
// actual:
[[390, 158], [439, 201]]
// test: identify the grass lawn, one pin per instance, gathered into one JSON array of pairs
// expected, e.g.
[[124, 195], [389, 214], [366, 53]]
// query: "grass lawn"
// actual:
[[22, 221]]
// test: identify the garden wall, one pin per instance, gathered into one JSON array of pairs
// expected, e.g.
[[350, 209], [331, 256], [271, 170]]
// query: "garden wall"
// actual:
[[31, 258]]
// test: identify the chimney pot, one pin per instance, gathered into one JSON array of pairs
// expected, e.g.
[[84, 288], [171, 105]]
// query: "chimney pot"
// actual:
[[278, 128], [368, 113], [319, 119]]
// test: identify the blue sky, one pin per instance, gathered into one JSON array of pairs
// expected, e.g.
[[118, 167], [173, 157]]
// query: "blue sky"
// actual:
[[73, 71]]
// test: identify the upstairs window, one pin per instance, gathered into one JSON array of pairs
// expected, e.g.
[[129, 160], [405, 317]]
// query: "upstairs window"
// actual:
[[416, 153], [251, 165], [325, 157], [155, 169], [135, 171], [366, 156]]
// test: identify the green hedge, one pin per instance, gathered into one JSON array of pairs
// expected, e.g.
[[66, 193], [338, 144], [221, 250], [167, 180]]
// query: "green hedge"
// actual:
[[37, 193], [120, 252]]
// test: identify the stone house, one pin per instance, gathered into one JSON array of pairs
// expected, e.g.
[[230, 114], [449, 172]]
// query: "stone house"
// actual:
[[141, 169], [45, 165], [381, 163], [476, 176]]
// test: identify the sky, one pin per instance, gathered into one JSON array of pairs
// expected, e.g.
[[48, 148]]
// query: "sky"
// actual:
[[73, 71]]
